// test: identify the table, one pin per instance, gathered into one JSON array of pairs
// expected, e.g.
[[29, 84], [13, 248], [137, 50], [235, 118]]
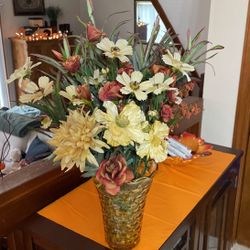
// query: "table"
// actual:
[[200, 202]]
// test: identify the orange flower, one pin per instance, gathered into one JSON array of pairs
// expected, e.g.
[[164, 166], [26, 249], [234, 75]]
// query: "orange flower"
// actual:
[[197, 145], [93, 33]]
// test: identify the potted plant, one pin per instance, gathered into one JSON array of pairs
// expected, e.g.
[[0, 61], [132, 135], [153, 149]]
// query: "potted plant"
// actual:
[[53, 13]]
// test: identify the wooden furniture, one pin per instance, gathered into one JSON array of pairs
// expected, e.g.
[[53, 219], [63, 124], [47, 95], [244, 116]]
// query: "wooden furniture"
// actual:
[[242, 140], [29, 189], [21, 49], [209, 224]]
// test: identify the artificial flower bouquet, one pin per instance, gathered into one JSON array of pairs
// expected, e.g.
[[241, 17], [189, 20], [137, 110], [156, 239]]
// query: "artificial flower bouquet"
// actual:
[[111, 102]]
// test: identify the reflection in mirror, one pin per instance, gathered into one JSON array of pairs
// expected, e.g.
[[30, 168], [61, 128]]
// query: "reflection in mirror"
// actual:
[[145, 16]]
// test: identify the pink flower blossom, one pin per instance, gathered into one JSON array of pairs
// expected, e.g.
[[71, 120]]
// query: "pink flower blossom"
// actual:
[[93, 33], [83, 92], [110, 91], [166, 113], [72, 64], [127, 68], [113, 173]]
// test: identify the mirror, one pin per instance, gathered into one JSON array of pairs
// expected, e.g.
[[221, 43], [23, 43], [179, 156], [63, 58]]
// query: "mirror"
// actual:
[[145, 16], [182, 15]]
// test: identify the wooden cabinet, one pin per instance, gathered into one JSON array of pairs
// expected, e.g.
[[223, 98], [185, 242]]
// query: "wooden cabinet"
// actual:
[[21, 49], [208, 226]]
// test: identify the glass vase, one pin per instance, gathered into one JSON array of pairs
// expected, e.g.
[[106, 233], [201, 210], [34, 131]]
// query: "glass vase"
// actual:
[[123, 213]]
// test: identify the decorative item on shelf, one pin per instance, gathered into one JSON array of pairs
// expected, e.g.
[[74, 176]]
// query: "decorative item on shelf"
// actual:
[[28, 7], [39, 34], [111, 107], [53, 13], [36, 22], [65, 28], [185, 148]]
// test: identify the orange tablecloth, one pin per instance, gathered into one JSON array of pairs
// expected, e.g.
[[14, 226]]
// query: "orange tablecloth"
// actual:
[[174, 193]]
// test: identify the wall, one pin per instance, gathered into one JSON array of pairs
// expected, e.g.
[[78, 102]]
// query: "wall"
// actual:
[[11, 23], [226, 27], [104, 8], [187, 15]]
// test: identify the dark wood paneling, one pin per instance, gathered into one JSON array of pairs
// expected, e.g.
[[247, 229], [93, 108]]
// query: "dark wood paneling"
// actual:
[[31, 188]]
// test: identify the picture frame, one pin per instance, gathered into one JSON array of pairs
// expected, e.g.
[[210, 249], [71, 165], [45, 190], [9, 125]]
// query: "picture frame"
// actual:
[[28, 7]]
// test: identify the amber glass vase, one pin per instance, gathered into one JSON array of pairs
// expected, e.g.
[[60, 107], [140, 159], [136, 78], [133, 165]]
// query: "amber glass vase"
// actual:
[[123, 213]]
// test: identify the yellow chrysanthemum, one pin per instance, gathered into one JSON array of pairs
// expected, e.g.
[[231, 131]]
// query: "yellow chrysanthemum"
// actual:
[[155, 146], [75, 139], [124, 128]]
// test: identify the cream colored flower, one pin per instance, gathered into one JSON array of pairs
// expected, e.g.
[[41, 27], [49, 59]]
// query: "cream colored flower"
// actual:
[[119, 50], [97, 78], [134, 85], [160, 84], [26, 98], [155, 146], [71, 95], [23, 71], [75, 140], [36, 92], [175, 62], [124, 128], [46, 122]]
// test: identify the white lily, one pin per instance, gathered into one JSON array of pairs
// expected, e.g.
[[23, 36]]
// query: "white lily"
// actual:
[[134, 85], [175, 62], [23, 71], [119, 50]]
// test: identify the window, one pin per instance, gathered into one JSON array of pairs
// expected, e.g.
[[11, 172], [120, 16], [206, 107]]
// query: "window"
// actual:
[[145, 17]]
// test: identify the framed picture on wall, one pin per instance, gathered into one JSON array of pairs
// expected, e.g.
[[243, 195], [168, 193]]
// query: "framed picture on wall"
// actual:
[[28, 7]]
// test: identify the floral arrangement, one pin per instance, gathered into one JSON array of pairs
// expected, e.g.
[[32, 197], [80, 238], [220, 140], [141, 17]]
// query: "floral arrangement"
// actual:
[[112, 102]]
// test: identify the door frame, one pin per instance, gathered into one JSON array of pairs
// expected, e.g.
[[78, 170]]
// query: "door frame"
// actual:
[[242, 117]]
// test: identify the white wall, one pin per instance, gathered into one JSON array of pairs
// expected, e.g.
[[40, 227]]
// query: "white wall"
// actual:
[[105, 8], [227, 27], [187, 15]]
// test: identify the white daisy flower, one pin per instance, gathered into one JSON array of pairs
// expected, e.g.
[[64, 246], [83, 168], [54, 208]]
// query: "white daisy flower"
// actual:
[[175, 62], [159, 84], [134, 85], [119, 50]]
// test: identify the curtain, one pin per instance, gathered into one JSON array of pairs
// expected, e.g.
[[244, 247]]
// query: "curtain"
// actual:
[[146, 13]]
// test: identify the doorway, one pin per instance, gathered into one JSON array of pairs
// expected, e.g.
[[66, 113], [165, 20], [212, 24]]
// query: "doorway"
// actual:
[[242, 141]]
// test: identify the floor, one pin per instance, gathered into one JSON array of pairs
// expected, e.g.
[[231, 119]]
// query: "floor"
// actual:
[[238, 247]]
